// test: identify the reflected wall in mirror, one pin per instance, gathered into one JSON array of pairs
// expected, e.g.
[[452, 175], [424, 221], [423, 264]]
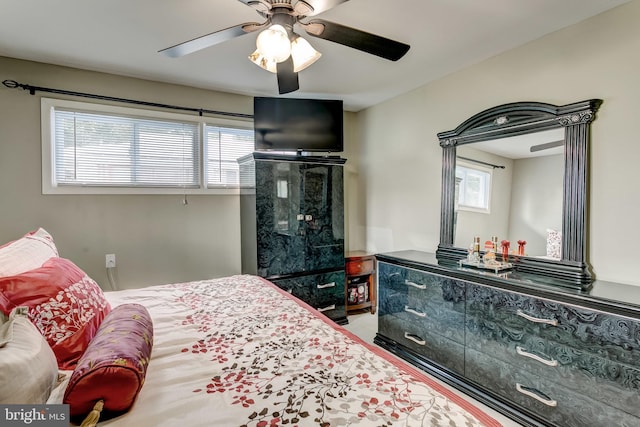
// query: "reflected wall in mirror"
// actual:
[[536, 156], [524, 198]]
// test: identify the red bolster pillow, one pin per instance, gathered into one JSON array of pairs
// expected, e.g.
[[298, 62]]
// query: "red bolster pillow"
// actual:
[[114, 365]]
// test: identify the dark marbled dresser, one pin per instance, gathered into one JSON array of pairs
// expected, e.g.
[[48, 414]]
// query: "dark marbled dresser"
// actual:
[[541, 354]]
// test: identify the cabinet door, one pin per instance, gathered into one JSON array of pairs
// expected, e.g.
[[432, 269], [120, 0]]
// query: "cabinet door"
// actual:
[[323, 210], [279, 229], [299, 217]]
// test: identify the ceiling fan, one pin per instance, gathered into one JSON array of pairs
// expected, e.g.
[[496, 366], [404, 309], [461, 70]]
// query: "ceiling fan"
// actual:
[[282, 51]]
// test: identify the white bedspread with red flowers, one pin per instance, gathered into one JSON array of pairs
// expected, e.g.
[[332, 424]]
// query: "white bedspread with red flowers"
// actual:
[[238, 351]]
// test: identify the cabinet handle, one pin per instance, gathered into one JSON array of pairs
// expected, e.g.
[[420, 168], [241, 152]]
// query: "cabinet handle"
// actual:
[[416, 312], [525, 353], [537, 395], [416, 339], [414, 284], [331, 307], [327, 285], [552, 322]]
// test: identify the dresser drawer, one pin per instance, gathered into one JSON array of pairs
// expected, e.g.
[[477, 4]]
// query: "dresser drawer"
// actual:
[[617, 384], [325, 292], [425, 316], [557, 404], [411, 335], [420, 286], [429, 302], [360, 266], [605, 335]]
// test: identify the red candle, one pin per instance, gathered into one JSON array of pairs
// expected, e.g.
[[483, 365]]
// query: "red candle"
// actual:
[[521, 244], [505, 250]]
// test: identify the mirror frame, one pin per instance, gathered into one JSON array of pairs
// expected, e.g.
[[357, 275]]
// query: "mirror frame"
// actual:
[[572, 269]]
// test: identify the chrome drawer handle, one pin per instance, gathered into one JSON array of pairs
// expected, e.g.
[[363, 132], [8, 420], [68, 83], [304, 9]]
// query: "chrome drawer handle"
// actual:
[[416, 339], [327, 285], [525, 353], [552, 322], [414, 284], [534, 393], [416, 312], [331, 307]]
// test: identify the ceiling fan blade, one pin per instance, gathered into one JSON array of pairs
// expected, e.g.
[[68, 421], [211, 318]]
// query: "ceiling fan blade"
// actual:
[[259, 5], [546, 146], [287, 78], [357, 39], [314, 7], [214, 38]]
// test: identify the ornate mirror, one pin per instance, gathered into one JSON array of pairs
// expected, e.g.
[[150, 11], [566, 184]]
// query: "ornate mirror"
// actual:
[[523, 171]]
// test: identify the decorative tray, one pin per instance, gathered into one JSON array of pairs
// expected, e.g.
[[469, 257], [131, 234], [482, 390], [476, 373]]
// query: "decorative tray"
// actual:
[[495, 267]]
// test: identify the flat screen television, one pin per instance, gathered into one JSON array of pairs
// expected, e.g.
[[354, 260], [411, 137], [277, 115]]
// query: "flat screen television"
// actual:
[[301, 125]]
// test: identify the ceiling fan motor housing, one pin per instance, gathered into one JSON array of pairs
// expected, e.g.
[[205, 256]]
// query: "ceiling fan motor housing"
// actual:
[[281, 16]]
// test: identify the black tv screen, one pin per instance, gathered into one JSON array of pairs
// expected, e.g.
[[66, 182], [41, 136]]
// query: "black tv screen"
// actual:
[[303, 125]]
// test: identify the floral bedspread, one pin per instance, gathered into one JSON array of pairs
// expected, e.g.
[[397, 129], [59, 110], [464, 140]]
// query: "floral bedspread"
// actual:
[[238, 351]]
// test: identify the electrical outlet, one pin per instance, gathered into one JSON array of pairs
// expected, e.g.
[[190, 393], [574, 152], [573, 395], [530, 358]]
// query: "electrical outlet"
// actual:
[[110, 260]]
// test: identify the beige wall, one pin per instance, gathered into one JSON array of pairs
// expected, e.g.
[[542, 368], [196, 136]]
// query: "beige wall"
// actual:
[[537, 193], [156, 239], [597, 58]]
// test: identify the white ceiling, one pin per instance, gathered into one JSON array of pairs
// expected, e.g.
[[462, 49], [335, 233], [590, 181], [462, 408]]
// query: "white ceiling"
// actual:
[[124, 36]]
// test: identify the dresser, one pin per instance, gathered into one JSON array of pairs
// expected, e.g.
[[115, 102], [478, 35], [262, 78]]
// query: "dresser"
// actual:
[[292, 226], [540, 354]]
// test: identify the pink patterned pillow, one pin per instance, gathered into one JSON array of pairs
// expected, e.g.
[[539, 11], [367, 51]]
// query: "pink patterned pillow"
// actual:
[[65, 304], [28, 252], [114, 366]]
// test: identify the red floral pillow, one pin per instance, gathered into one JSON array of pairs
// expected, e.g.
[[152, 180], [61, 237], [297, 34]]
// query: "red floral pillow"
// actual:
[[65, 304]]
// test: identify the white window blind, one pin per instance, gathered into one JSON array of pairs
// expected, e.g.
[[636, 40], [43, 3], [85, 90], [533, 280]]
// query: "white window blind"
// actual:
[[103, 149], [224, 147], [100, 149]]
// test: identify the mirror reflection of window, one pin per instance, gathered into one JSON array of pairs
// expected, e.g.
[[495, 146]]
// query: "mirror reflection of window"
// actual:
[[475, 187], [282, 189], [281, 208]]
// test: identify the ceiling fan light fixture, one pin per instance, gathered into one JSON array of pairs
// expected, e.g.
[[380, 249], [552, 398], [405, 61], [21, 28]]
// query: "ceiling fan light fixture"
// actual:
[[264, 63], [273, 43], [303, 54]]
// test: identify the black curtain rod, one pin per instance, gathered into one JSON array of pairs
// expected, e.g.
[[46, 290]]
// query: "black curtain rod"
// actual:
[[32, 90], [481, 162]]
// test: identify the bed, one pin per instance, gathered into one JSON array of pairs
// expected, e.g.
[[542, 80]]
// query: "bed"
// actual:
[[239, 351]]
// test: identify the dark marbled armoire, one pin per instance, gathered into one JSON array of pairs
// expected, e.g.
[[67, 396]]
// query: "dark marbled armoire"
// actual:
[[292, 225]]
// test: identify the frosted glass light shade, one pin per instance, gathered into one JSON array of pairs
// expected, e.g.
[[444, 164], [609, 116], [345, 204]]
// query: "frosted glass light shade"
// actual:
[[303, 54], [273, 43], [263, 62]]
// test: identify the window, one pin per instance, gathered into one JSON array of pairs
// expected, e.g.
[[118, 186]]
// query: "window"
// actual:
[[474, 193], [101, 149], [225, 146]]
